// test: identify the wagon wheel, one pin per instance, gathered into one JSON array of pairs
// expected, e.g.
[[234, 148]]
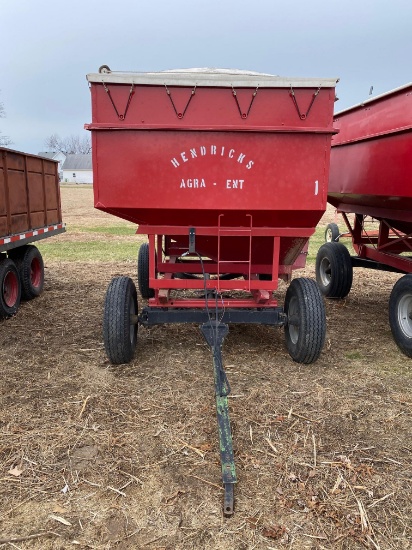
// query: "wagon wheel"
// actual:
[[10, 288], [332, 233], [334, 272], [29, 263], [143, 272], [120, 320], [305, 329], [400, 314]]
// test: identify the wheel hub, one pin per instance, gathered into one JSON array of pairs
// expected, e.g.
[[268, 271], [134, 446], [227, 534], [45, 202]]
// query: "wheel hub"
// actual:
[[325, 271], [293, 319], [35, 273], [405, 315], [10, 289]]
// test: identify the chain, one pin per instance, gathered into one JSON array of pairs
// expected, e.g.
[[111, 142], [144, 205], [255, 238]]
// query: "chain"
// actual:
[[180, 115], [244, 115], [301, 115], [131, 93]]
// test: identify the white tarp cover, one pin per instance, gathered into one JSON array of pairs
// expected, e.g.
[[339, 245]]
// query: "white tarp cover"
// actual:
[[208, 77]]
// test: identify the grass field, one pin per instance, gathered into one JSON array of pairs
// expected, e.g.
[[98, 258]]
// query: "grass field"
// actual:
[[99, 237]]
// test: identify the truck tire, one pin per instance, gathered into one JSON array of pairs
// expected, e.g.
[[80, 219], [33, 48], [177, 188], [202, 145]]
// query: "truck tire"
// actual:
[[143, 272], [334, 272], [305, 329], [29, 263], [10, 288], [400, 314], [119, 329], [332, 233]]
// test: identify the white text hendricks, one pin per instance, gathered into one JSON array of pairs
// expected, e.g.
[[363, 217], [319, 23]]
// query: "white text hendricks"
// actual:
[[212, 150]]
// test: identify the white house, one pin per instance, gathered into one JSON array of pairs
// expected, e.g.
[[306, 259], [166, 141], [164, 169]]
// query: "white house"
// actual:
[[78, 169], [59, 156]]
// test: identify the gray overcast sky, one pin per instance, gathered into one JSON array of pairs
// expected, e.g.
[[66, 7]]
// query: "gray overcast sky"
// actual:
[[48, 47]]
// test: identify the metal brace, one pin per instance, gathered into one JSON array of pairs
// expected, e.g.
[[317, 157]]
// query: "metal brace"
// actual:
[[244, 115], [180, 115], [301, 115], [131, 93]]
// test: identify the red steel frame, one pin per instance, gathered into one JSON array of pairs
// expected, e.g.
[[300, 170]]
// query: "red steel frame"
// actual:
[[384, 245], [166, 265]]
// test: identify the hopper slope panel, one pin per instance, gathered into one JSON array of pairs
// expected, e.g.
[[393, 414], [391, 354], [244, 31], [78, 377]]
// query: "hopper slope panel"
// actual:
[[371, 157], [193, 175]]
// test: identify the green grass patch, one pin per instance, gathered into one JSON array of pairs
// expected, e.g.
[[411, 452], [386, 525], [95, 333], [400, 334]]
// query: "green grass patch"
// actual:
[[318, 239], [104, 229], [123, 251], [353, 355], [95, 251], [64, 185]]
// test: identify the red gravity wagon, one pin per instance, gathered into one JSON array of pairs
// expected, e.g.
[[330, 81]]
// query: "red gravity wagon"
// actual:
[[226, 172], [370, 185]]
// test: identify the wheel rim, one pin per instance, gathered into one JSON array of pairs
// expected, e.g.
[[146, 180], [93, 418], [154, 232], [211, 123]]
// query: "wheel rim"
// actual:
[[132, 309], [405, 315], [10, 289], [293, 319], [35, 273], [325, 271], [329, 235]]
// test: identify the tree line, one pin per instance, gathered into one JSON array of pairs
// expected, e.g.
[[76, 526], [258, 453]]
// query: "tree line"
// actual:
[[70, 145]]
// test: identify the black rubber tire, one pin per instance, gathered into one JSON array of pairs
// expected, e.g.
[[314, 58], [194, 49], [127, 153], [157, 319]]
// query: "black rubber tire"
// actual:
[[334, 271], [305, 329], [119, 332], [29, 263], [10, 288], [143, 272], [332, 233], [400, 314]]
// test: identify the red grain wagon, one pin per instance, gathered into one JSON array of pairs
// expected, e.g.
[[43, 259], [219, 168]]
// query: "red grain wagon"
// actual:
[[370, 178], [29, 211], [226, 172]]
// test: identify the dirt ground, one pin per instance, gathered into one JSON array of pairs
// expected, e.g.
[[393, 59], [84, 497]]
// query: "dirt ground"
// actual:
[[126, 457]]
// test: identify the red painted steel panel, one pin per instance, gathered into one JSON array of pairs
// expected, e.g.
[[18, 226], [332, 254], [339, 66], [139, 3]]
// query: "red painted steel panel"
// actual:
[[210, 107], [262, 174], [371, 159]]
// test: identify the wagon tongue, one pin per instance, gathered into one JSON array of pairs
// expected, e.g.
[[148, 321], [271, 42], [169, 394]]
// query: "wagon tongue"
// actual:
[[214, 333]]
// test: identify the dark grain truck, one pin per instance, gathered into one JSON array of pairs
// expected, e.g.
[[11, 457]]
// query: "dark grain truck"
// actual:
[[30, 210]]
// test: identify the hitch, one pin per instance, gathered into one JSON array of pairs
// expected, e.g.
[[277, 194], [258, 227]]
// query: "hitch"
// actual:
[[214, 333]]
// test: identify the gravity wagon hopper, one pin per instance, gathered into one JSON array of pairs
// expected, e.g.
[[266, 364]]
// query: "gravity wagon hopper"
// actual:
[[226, 172], [370, 186]]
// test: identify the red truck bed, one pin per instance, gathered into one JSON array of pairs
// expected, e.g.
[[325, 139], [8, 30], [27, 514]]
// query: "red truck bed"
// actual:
[[29, 199]]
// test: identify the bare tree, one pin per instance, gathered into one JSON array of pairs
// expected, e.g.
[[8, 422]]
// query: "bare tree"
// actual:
[[69, 145], [4, 140]]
